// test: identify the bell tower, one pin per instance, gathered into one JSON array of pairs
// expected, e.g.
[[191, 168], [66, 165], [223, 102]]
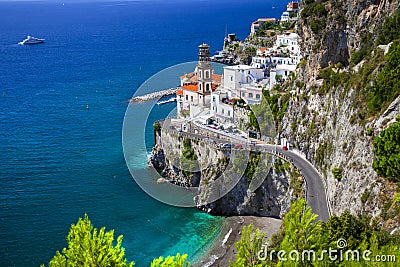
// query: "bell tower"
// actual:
[[204, 73]]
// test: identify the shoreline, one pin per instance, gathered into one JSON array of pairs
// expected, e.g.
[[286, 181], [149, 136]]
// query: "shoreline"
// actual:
[[223, 250]]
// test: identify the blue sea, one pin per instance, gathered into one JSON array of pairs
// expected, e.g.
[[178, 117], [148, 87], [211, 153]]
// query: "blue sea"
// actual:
[[62, 107]]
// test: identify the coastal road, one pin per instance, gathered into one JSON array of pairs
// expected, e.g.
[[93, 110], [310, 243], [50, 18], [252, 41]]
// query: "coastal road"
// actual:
[[316, 195]]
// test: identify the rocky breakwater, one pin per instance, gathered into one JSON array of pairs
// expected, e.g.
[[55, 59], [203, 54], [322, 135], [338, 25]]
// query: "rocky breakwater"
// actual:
[[212, 170], [154, 95]]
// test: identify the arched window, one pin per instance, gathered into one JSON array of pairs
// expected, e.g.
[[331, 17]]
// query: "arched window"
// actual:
[[207, 87], [207, 74], [200, 87]]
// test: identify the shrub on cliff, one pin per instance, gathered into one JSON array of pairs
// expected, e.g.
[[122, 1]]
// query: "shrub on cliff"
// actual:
[[387, 153], [387, 83]]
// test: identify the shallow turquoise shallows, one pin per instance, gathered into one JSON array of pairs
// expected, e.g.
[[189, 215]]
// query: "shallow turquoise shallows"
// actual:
[[62, 104]]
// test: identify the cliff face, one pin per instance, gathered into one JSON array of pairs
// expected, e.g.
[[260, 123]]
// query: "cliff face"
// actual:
[[325, 122], [271, 198]]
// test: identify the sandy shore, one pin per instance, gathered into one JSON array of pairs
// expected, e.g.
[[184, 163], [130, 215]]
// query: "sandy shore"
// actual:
[[223, 250]]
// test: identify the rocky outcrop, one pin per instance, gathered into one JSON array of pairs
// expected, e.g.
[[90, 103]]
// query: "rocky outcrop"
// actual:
[[271, 198]]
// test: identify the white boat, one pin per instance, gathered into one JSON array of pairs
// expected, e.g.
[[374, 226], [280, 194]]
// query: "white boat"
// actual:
[[31, 40]]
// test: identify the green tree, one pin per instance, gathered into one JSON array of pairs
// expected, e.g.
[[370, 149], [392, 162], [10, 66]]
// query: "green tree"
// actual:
[[387, 153], [88, 246], [248, 247], [157, 126], [301, 231], [171, 261], [337, 173]]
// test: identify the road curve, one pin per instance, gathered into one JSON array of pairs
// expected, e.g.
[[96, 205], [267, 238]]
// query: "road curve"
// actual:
[[316, 195]]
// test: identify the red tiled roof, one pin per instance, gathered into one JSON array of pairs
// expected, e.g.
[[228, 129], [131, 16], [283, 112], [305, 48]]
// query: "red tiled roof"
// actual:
[[189, 75], [217, 78], [262, 49], [179, 92], [190, 87], [293, 5]]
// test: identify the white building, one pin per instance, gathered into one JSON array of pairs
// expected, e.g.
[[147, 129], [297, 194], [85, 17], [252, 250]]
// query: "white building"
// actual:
[[288, 41], [285, 16], [237, 76], [281, 72], [239, 82], [259, 23], [262, 51]]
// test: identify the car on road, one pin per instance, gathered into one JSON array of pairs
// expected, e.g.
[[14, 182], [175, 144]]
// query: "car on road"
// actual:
[[285, 148], [225, 145], [238, 146]]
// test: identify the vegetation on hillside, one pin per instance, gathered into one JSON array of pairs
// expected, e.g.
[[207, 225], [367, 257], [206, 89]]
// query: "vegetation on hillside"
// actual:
[[188, 158], [387, 153], [383, 34], [314, 14], [303, 235], [88, 246]]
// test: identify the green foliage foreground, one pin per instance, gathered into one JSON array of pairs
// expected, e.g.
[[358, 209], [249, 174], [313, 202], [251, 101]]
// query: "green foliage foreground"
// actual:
[[304, 241], [88, 246]]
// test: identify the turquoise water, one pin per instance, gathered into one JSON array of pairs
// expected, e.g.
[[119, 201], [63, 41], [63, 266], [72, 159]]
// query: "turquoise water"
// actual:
[[62, 105]]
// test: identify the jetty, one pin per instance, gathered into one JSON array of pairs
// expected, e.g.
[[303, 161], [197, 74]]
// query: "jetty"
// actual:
[[154, 95], [166, 101]]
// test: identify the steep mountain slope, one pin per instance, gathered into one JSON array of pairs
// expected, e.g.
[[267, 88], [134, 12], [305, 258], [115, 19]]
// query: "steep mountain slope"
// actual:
[[339, 102]]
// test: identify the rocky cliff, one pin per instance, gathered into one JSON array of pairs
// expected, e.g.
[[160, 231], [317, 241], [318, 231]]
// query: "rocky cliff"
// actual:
[[327, 117], [272, 198]]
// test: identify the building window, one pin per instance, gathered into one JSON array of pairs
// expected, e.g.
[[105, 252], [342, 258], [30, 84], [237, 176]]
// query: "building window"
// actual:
[[250, 95], [187, 97], [191, 98], [200, 87], [223, 111], [242, 94], [231, 78], [207, 74], [229, 112], [285, 72], [200, 74], [207, 87], [258, 96]]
